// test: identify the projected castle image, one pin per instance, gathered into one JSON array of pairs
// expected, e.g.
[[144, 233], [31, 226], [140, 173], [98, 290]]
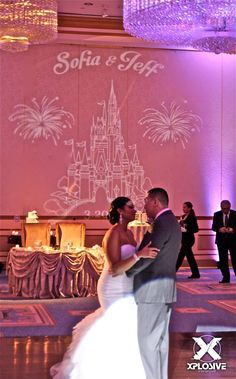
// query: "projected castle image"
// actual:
[[103, 163]]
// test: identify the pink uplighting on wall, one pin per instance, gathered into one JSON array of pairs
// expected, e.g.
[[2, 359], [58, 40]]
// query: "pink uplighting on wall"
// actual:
[[81, 126]]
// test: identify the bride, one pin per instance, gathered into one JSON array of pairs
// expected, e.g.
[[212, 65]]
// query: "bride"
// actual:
[[105, 343]]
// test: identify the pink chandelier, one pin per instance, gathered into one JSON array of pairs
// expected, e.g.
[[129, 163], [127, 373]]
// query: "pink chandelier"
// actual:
[[207, 25], [25, 22]]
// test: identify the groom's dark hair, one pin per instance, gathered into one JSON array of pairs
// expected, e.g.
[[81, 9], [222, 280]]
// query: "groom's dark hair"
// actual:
[[161, 194]]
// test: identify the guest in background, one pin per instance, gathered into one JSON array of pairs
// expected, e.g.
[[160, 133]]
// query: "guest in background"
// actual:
[[189, 226], [224, 224]]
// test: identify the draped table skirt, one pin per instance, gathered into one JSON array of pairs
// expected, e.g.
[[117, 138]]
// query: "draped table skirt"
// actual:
[[44, 275]]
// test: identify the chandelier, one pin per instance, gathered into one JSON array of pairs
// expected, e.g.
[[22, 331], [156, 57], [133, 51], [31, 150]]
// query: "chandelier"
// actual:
[[207, 25], [25, 22]]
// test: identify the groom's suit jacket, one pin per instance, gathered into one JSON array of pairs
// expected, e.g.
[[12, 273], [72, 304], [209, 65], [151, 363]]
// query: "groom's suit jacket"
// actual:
[[154, 279]]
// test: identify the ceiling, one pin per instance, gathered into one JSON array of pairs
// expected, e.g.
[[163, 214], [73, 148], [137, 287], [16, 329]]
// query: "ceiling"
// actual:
[[95, 22], [98, 8]]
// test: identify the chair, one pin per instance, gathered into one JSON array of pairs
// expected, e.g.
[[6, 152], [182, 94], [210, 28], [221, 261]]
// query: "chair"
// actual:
[[70, 232], [35, 233]]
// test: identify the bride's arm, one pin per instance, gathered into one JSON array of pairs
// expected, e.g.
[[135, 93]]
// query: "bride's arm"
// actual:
[[112, 247], [124, 265]]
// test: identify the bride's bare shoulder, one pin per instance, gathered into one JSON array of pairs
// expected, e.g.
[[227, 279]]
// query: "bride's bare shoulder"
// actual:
[[113, 232]]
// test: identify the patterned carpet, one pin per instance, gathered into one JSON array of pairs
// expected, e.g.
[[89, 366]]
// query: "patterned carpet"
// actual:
[[24, 315], [203, 304]]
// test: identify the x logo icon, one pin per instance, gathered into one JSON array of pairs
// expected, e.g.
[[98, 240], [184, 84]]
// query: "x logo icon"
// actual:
[[206, 348]]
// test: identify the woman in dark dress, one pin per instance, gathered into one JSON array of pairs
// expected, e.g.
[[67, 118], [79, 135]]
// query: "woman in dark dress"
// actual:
[[189, 226]]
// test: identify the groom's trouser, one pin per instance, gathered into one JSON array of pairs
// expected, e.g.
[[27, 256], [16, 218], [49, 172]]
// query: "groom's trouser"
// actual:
[[153, 337]]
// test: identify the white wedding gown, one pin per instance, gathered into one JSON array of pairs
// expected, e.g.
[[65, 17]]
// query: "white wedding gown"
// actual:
[[105, 344]]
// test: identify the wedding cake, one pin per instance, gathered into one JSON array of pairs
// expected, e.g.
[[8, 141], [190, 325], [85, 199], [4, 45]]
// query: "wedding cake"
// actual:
[[32, 217], [140, 219]]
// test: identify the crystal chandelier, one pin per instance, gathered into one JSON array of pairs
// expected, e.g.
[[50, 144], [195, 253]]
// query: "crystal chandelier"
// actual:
[[24, 22], [207, 25]]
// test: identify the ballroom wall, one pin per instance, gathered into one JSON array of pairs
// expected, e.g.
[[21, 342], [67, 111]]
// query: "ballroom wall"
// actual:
[[81, 125]]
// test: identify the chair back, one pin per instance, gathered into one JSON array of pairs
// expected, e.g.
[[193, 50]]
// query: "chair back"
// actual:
[[35, 234], [72, 233]]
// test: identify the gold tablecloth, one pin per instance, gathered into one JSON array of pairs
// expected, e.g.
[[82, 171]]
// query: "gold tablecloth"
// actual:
[[47, 274]]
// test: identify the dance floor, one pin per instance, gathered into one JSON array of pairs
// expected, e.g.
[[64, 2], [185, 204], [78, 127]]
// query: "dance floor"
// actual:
[[203, 304], [32, 357], [35, 333]]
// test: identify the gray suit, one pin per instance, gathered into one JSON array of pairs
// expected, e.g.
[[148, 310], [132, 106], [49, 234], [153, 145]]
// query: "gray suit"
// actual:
[[155, 291]]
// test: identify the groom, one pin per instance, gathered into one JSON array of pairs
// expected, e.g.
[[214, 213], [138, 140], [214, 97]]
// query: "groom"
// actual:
[[154, 284]]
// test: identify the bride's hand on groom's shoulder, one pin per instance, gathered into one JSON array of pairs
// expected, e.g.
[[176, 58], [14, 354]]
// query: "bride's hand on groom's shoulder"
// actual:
[[148, 251]]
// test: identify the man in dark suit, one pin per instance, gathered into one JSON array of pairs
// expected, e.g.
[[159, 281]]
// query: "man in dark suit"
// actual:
[[154, 284], [224, 224]]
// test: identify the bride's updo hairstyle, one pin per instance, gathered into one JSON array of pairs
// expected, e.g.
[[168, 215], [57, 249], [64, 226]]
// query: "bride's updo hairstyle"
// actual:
[[113, 214]]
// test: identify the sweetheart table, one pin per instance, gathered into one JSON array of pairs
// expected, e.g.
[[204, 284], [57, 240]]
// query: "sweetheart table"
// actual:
[[43, 274]]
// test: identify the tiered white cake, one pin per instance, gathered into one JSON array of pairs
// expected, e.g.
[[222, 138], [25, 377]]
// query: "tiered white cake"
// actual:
[[140, 218], [32, 217], [139, 226]]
